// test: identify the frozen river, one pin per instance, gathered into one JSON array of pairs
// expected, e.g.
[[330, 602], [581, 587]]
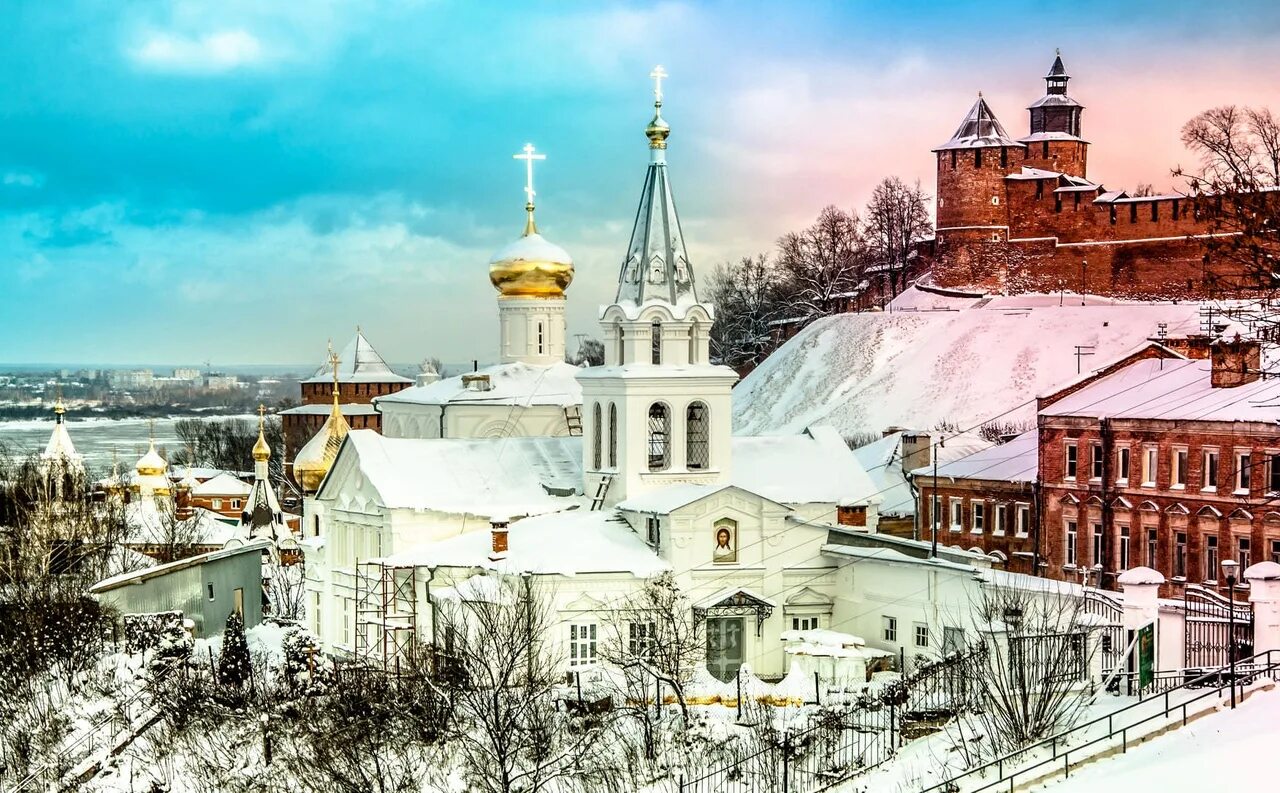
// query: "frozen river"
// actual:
[[99, 440]]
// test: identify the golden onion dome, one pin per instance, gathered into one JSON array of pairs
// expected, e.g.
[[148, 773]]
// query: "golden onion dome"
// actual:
[[261, 451], [312, 462], [658, 130], [531, 266], [151, 463]]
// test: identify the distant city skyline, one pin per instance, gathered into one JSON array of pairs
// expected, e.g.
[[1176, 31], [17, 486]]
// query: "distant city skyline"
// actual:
[[239, 181]]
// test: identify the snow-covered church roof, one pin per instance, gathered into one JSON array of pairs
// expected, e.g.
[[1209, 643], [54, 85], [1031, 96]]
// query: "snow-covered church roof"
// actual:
[[509, 384], [360, 363], [979, 129], [482, 477]]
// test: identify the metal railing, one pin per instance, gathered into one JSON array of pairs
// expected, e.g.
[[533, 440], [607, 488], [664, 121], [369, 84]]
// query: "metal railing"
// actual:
[[1214, 682]]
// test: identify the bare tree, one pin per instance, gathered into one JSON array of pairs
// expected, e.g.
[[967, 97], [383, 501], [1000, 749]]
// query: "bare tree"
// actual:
[[1235, 192], [1143, 190], [821, 263], [227, 444], [590, 353], [896, 218], [745, 296], [503, 677]]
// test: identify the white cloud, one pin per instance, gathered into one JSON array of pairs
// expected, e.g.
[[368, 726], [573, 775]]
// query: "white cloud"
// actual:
[[22, 179], [212, 53]]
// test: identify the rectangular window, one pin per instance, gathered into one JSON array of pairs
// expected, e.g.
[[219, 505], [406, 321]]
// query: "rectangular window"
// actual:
[[998, 519], [1210, 558], [1149, 466], [804, 623], [1180, 555], [1275, 551], [1210, 470], [217, 503], [1124, 547], [1113, 214], [953, 159], [1044, 149], [952, 640], [640, 638], [1071, 543], [957, 513], [922, 635], [237, 601], [1242, 553], [1133, 213], [979, 518], [1155, 211], [1097, 544], [653, 527], [210, 590], [1070, 471], [890, 628], [582, 644], [1243, 476], [1095, 451], [1004, 157], [1024, 520], [1152, 561], [977, 158], [1039, 189], [1178, 477], [1122, 465]]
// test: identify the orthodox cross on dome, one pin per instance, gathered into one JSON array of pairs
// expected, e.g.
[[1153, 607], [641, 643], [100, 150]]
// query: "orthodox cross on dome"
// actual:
[[334, 361], [529, 156], [262, 415], [658, 74]]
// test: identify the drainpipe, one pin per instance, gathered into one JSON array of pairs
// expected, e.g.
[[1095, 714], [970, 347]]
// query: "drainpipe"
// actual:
[[1108, 530], [431, 604]]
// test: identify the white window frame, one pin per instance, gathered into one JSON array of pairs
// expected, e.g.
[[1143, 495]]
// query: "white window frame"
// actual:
[[1179, 457], [806, 622], [584, 649], [216, 504], [1273, 457], [998, 518], [978, 517], [1209, 484], [641, 636], [1124, 548], [1122, 465], [1070, 460], [1072, 529], [1022, 528], [957, 512], [920, 635], [1150, 465], [1095, 462], [1244, 472], [1096, 543], [889, 628], [1212, 558]]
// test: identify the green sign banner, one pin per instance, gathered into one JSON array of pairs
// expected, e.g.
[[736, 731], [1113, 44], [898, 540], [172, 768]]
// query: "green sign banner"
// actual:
[[1146, 655]]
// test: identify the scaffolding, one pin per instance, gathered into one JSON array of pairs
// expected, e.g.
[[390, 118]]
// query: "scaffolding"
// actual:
[[386, 615]]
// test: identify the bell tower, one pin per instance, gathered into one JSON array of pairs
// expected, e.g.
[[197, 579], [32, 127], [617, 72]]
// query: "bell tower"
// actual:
[[1055, 143], [658, 412]]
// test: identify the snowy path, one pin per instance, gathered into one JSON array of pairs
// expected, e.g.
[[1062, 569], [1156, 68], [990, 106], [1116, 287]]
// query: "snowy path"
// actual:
[[1226, 749]]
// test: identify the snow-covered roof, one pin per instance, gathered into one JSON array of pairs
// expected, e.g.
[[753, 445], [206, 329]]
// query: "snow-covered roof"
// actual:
[[866, 372], [1054, 100], [1029, 173], [979, 129], [1171, 390], [138, 576], [509, 384], [1110, 196], [1138, 576], [359, 363], [665, 499], [147, 523], [532, 248], [1018, 460], [479, 477], [882, 460], [1039, 137], [325, 408], [884, 553], [224, 484], [563, 543], [815, 466]]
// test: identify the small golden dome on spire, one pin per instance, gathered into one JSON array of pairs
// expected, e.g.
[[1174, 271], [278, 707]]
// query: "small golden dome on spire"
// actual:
[[312, 462], [658, 128], [261, 451]]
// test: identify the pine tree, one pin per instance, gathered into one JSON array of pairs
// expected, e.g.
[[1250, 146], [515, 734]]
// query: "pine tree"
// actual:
[[233, 665]]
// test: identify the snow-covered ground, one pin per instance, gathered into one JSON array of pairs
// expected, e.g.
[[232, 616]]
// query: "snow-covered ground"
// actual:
[[1223, 750], [964, 365]]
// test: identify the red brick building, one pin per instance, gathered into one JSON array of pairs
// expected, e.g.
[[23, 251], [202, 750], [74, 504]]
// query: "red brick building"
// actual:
[[1020, 215], [362, 375]]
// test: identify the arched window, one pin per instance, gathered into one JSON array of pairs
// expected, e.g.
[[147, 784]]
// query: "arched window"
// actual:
[[595, 437], [613, 435], [659, 437], [657, 342], [622, 357], [697, 436], [693, 343]]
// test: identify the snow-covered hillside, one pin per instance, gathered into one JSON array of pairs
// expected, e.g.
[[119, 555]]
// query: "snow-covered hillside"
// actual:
[[865, 372]]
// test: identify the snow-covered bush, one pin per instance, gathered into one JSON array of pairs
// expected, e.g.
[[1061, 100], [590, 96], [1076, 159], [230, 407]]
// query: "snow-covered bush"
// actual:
[[233, 664]]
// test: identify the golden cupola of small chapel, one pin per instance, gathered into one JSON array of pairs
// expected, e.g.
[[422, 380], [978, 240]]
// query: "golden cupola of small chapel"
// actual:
[[532, 266]]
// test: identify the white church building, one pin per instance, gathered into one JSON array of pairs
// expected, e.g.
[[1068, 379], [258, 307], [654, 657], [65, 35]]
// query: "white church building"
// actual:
[[764, 535]]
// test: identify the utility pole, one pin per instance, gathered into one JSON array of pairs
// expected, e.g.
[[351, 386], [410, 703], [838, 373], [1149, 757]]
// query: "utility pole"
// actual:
[[1082, 350]]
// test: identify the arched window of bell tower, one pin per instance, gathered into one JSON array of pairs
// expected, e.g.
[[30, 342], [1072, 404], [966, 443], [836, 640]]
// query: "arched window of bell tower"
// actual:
[[656, 345]]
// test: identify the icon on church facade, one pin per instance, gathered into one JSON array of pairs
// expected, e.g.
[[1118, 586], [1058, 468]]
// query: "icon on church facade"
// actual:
[[726, 549]]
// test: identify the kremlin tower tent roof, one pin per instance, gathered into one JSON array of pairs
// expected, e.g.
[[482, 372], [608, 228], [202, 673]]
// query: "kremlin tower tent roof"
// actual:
[[980, 129], [360, 363], [60, 448]]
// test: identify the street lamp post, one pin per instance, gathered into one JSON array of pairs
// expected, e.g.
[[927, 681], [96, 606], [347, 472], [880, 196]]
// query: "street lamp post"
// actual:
[[1229, 572]]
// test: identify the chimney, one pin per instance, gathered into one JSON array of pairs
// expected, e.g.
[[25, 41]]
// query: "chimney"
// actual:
[[1234, 362], [498, 528], [917, 450], [1195, 346]]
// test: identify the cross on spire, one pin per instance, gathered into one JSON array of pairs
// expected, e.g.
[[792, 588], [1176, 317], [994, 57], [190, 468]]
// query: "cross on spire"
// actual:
[[528, 156], [658, 74], [333, 361], [262, 415]]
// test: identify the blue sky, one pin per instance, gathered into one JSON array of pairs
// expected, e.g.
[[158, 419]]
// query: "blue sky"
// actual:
[[240, 180]]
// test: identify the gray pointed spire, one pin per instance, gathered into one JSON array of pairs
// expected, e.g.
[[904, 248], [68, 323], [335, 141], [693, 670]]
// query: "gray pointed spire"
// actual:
[[656, 267], [979, 129]]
